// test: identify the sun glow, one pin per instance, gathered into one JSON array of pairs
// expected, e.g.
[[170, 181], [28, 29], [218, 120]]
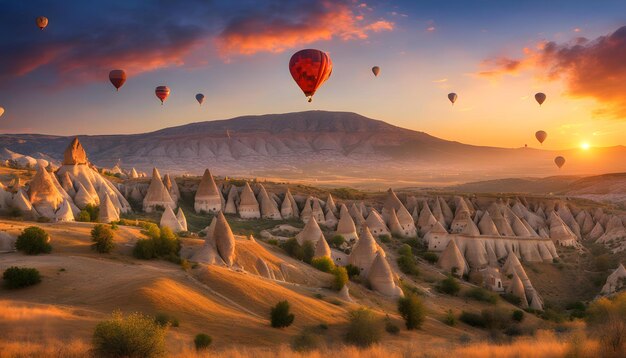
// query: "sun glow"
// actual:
[[584, 146]]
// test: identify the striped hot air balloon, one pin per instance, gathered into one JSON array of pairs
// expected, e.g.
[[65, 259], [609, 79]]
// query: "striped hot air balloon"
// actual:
[[162, 92], [42, 22], [117, 78], [310, 68]]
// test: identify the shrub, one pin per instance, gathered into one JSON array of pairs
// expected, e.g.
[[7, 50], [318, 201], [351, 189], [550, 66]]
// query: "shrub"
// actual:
[[363, 328], [607, 319], [340, 277], [518, 315], [43, 219], [391, 328], [323, 263], [17, 277], [305, 342], [202, 341], [495, 318], [385, 239], [134, 335], [102, 237], [33, 240], [408, 265], [483, 295], [431, 257], [144, 249], [412, 310], [273, 242], [293, 248], [449, 318], [167, 244], [472, 319], [308, 251], [93, 210], [151, 230], [83, 216], [280, 316], [164, 320], [449, 286], [352, 271], [511, 298], [405, 250], [337, 240]]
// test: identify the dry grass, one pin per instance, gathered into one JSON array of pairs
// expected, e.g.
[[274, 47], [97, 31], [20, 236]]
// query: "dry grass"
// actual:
[[544, 345]]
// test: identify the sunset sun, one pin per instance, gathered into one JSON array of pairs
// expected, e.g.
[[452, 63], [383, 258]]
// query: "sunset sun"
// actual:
[[584, 146]]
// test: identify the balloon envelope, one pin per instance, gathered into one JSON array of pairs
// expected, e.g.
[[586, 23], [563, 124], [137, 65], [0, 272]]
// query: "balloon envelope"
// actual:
[[541, 136], [200, 98], [310, 69], [42, 22], [162, 92], [117, 78], [1, 111], [559, 161], [376, 70], [540, 98], [452, 97]]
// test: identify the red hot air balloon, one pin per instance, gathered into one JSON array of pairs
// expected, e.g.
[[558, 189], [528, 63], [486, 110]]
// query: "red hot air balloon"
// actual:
[[540, 98], [162, 92], [42, 22], [117, 78], [559, 161], [541, 136], [376, 70], [310, 69]]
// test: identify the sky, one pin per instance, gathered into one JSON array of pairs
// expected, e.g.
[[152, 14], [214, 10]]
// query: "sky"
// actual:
[[495, 54]]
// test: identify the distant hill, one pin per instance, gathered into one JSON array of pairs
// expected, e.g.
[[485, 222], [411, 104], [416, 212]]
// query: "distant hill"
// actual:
[[328, 147]]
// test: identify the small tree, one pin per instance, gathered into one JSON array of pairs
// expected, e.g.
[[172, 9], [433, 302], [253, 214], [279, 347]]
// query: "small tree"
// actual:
[[323, 263], [280, 316], [83, 216], [94, 211], [412, 310], [352, 271], [33, 240], [363, 328], [144, 249], [449, 285], [102, 237], [202, 341], [337, 240], [518, 315], [431, 257], [134, 335], [17, 277], [308, 251], [340, 277], [293, 248]]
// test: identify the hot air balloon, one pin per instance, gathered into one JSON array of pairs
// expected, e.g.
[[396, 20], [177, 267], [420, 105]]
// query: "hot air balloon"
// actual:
[[540, 98], [42, 22], [452, 97], [117, 78], [162, 92], [200, 98], [541, 136], [1, 111], [376, 70], [310, 69], [559, 161]]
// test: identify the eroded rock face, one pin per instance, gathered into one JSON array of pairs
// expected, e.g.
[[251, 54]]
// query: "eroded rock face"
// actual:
[[75, 154]]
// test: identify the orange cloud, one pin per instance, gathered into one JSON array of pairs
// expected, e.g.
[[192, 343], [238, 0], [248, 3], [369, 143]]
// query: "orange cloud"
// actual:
[[320, 21], [590, 69]]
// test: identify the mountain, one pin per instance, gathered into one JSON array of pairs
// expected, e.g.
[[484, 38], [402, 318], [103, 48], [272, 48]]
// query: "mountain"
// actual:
[[328, 147]]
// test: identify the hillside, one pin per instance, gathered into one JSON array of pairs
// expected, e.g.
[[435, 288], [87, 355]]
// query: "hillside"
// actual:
[[326, 147]]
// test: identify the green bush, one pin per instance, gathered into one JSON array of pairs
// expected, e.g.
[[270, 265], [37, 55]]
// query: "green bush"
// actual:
[[483, 295], [511, 298], [405, 250], [412, 310], [449, 318], [472, 319], [495, 318], [83, 216], [33, 240], [340, 277], [293, 248], [134, 335], [18, 277], [151, 230], [337, 240], [431, 257], [308, 251], [385, 239], [280, 316], [144, 249], [391, 328], [93, 210], [272, 242], [408, 265], [323, 263], [102, 237], [305, 342], [363, 328], [352, 271], [202, 341], [449, 286], [518, 315], [164, 320]]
